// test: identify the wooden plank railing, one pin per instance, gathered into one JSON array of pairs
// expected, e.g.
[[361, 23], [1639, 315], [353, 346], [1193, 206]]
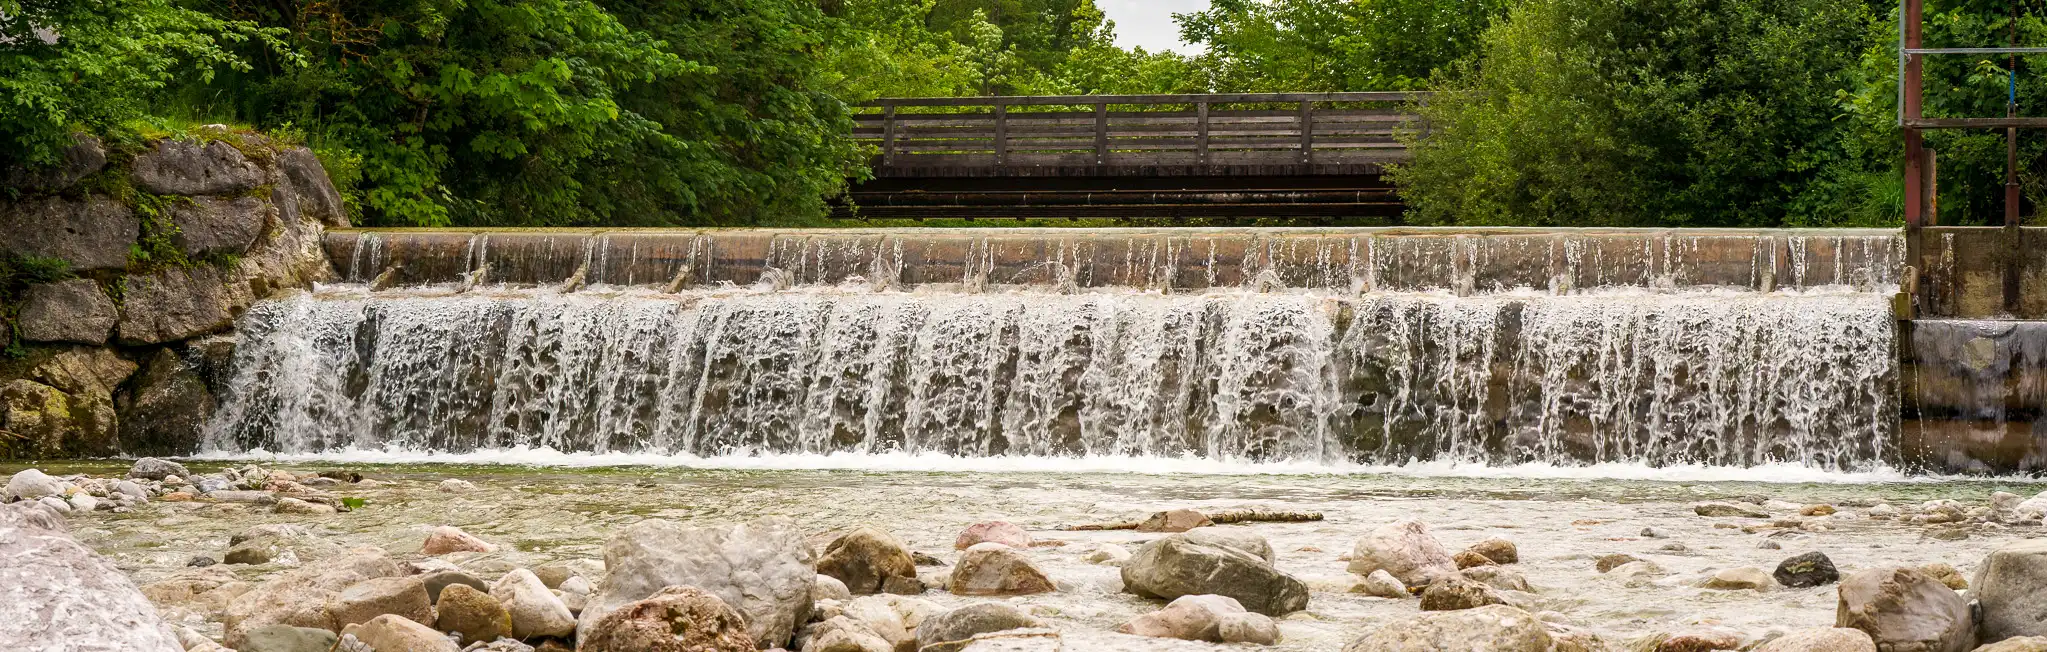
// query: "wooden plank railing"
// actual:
[[1258, 129]]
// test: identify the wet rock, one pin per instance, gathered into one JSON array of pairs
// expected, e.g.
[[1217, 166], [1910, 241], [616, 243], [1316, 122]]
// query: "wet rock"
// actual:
[[201, 561], [31, 484], [1821, 639], [390, 632], [91, 234], [1176, 520], [285, 638], [1724, 510], [47, 422], [1107, 554], [996, 569], [185, 167], [401, 596], [101, 609], [1003, 532], [1738, 579], [1505, 579], [842, 634], [1945, 574], [677, 619], [473, 614], [150, 468], [763, 569], [1453, 592], [1767, 544], [438, 582], [830, 588], [1211, 618], [67, 311], [1468, 559], [175, 303], [1607, 563], [535, 611], [1239, 538], [2011, 585], [2021, 644], [1493, 628], [210, 226], [962, 624], [1176, 565], [456, 486], [1808, 570], [166, 410], [1500, 551], [449, 539], [865, 558], [1404, 549], [1903, 609], [1381, 584]]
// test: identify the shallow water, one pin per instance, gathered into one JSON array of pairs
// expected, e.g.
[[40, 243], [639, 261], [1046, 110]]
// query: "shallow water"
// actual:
[[1560, 525]]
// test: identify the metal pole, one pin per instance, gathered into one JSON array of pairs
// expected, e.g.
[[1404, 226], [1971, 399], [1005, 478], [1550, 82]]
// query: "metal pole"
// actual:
[[1911, 16]]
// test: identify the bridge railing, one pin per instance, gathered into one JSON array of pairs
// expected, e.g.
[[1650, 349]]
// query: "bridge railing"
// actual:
[[1216, 130]]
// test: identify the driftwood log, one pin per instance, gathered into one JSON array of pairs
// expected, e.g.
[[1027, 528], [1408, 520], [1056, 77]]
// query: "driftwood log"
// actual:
[[1158, 520]]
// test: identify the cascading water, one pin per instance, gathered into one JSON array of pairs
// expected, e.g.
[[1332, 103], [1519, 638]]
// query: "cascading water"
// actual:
[[1706, 376]]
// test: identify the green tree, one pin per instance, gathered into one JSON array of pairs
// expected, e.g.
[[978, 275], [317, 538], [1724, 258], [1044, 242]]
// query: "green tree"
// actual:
[[96, 65], [1646, 112], [1334, 45]]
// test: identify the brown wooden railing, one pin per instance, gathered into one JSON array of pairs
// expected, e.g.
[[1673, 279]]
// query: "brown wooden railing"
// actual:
[[1274, 130]]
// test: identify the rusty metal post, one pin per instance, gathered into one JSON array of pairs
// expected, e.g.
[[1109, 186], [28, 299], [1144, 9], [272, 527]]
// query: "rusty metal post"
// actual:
[[1911, 34]]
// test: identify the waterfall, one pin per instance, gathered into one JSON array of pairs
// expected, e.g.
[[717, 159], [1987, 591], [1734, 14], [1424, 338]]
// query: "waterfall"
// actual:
[[1651, 376]]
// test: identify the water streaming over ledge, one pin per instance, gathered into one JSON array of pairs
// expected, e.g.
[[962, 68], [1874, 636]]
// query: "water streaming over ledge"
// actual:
[[1695, 377]]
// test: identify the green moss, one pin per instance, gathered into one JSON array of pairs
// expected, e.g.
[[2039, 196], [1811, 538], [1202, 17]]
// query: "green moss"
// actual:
[[155, 250]]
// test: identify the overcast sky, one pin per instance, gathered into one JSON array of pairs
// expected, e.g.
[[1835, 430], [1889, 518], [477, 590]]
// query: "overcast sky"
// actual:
[[1149, 23]]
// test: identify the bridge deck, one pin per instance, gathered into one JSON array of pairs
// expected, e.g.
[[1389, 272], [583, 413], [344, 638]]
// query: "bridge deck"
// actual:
[[1242, 155]]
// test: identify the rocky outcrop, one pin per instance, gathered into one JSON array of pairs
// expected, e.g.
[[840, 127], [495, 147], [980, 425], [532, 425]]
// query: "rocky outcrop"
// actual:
[[300, 597], [55, 574], [184, 167], [48, 423], [2012, 587], [86, 156], [1175, 566], [166, 410], [90, 234], [214, 226], [764, 569], [68, 311], [176, 303], [1903, 609]]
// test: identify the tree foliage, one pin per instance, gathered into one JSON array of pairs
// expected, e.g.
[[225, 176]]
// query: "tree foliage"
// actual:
[[1334, 45]]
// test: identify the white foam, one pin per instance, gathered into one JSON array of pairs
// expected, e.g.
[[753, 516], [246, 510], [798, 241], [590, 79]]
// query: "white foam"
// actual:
[[939, 463]]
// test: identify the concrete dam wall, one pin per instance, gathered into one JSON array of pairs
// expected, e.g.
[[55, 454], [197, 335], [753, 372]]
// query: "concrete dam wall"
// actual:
[[1334, 346]]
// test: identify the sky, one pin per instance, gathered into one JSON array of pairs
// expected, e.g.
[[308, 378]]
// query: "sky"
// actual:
[[1149, 23]]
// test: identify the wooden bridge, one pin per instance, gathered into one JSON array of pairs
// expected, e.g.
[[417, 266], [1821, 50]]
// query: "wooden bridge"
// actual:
[[1290, 155]]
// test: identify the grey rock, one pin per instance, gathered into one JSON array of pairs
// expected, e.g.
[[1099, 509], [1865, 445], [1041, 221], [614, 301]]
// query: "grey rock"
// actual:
[[1240, 538], [150, 468], [963, 623], [84, 157], [286, 638], [1808, 570], [174, 304], [184, 167], [1727, 510], [865, 558], [1454, 592], [1493, 628], [68, 311], [201, 561], [2012, 587], [764, 569], [83, 371], [1406, 550], [167, 409], [102, 609], [1174, 566], [306, 191], [299, 597], [1904, 609], [213, 226], [438, 580], [403, 596], [90, 234]]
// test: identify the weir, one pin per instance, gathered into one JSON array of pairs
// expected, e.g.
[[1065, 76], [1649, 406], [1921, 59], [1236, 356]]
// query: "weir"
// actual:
[[1332, 346]]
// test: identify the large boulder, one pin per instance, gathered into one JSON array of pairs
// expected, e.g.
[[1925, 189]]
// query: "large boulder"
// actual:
[[1406, 550], [210, 226], [1821, 639], [89, 234], [176, 303], [1003, 532], [535, 611], [1495, 628], [1903, 609], [678, 619], [996, 569], [30, 485], [47, 422], [299, 597], [1211, 618], [865, 559], [1175, 565], [1240, 538], [57, 594], [2012, 587], [472, 614], [67, 311], [82, 371], [167, 408], [2020, 644], [401, 596], [960, 625], [81, 159], [764, 569], [184, 167], [390, 632], [305, 191]]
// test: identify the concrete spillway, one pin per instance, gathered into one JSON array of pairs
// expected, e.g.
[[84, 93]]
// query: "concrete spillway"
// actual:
[[1504, 346]]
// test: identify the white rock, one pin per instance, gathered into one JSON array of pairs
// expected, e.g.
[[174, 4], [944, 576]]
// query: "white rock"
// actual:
[[830, 588], [2035, 507], [68, 597], [764, 569], [1383, 585], [535, 610], [1404, 549], [30, 484], [456, 486], [84, 502], [60, 505]]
